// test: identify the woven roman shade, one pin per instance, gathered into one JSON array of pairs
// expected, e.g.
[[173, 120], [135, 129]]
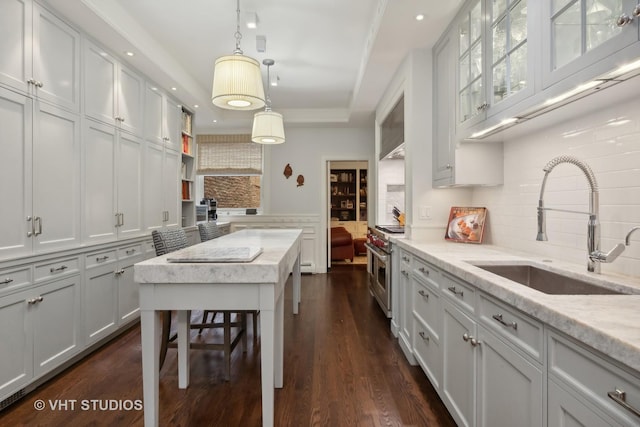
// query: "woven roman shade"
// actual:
[[228, 155]]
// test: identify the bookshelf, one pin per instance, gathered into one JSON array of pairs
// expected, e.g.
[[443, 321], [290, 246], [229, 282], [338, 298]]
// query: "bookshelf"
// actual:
[[187, 172], [348, 189]]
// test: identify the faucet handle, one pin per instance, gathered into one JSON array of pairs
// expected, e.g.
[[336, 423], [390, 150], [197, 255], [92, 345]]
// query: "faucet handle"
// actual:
[[610, 256]]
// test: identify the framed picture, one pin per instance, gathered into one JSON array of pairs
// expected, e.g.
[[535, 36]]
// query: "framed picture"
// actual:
[[466, 224]]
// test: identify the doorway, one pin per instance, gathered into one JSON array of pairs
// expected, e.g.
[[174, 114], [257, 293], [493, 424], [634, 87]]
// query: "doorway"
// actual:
[[348, 208]]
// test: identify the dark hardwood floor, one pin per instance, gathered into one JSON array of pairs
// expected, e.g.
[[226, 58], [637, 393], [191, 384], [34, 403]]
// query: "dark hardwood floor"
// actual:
[[342, 367]]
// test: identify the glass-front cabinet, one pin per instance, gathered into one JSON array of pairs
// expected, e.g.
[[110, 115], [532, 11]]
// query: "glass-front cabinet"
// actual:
[[577, 33], [510, 65], [494, 63], [471, 96]]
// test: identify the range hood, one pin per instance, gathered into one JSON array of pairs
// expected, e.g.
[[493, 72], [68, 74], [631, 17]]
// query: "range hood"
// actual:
[[392, 133]]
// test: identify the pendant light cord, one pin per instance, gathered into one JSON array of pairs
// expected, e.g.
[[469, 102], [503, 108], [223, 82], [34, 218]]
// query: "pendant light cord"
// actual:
[[238, 35]]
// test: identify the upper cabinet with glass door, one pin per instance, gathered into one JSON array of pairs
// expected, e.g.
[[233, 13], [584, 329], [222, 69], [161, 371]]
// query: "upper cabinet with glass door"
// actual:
[[510, 68], [472, 103], [579, 33], [495, 67]]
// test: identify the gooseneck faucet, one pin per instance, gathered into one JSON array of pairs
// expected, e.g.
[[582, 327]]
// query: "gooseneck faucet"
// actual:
[[595, 256]]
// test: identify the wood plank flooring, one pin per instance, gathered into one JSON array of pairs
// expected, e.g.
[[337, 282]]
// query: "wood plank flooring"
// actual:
[[342, 367]]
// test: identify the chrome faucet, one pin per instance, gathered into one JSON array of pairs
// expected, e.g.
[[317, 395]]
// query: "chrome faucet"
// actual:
[[627, 240], [595, 256]]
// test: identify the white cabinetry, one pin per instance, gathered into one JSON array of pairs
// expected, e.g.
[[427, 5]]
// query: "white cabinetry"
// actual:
[[44, 331], [459, 367], [160, 192], [405, 294], [457, 163], [40, 54], [110, 293], [609, 391], [41, 172], [113, 93], [577, 34], [113, 183], [162, 119]]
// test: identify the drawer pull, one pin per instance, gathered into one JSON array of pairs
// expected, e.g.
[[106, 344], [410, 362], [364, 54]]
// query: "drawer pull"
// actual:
[[423, 293], [119, 272], [404, 258], [61, 268], [424, 336], [424, 271], [404, 273], [5, 281], [102, 258], [498, 318], [35, 300], [131, 251], [620, 397], [453, 290]]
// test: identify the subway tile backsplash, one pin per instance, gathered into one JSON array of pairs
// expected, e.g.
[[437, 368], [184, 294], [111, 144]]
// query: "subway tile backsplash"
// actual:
[[609, 142]]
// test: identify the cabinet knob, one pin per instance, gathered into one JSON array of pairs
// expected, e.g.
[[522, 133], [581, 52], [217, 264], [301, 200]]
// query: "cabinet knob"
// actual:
[[35, 300], [423, 294], [624, 19], [636, 11], [424, 336], [448, 166]]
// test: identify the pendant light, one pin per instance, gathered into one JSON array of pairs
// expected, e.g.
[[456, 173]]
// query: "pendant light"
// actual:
[[267, 124], [237, 81]]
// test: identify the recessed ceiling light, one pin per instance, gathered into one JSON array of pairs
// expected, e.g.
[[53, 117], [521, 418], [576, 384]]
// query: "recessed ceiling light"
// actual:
[[129, 53], [154, 88], [419, 17], [174, 88], [215, 121], [195, 106]]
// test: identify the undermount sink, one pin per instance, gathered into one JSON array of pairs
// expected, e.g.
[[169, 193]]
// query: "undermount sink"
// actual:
[[546, 281]]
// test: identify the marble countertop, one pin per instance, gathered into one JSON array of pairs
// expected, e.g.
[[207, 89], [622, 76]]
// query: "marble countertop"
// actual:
[[279, 250], [608, 323]]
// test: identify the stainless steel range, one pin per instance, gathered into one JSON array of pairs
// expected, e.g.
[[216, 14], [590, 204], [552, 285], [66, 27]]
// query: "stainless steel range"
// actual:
[[379, 250]]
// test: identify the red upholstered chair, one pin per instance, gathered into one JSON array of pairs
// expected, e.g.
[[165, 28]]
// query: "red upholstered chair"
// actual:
[[341, 244]]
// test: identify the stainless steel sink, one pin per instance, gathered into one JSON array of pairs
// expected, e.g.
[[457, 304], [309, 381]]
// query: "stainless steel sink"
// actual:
[[546, 281]]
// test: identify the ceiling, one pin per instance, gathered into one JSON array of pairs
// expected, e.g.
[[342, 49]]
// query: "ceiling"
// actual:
[[334, 58]]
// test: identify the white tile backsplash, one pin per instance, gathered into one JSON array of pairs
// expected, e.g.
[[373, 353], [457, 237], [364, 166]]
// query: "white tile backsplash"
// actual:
[[609, 142]]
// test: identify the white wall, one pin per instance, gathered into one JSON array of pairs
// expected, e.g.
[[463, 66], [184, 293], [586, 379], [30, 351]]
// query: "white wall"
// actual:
[[608, 140], [307, 150]]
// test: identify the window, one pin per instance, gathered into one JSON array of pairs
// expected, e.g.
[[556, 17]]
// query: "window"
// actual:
[[232, 170]]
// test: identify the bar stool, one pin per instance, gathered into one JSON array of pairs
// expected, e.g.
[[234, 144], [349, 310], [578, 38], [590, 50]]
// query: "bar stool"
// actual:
[[164, 242], [209, 231]]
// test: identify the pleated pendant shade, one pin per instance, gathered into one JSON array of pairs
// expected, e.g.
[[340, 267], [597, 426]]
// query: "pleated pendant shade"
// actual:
[[268, 128], [237, 83]]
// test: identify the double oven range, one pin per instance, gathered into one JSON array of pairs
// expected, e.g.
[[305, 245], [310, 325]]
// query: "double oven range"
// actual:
[[379, 250]]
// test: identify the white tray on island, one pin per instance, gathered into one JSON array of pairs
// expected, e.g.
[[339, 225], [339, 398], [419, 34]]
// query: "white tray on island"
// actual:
[[208, 254]]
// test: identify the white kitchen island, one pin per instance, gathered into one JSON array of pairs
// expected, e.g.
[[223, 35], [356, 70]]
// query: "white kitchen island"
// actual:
[[184, 286]]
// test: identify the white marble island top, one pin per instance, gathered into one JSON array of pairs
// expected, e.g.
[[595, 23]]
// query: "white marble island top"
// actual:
[[608, 323], [279, 249]]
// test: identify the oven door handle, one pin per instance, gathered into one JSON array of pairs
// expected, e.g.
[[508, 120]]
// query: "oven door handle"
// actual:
[[376, 252]]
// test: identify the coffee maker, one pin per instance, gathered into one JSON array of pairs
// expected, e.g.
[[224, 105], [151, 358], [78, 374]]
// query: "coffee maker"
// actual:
[[212, 206]]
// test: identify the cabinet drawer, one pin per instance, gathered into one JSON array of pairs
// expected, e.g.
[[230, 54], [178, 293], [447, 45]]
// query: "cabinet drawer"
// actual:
[[427, 306], [426, 272], [462, 293], [405, 257], [129, 251], [149, 249], [426, 348], [60, 267], [594, 378], [10, 279], [523, 331], [100, 258]]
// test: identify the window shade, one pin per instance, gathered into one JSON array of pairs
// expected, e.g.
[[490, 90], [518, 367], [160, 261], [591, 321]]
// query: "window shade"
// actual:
[[228, 155]]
